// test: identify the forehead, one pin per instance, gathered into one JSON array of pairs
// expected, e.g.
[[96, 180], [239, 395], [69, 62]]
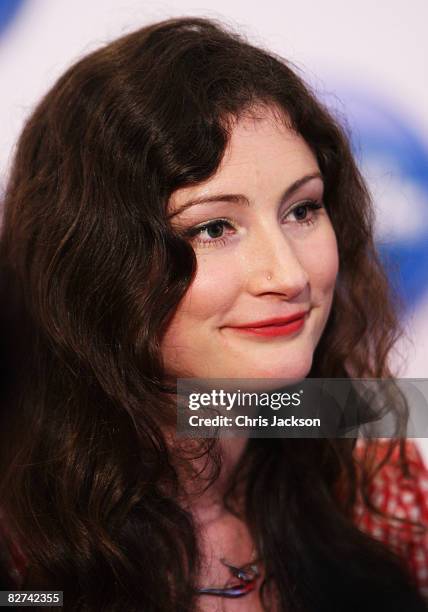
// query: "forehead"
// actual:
[[263, 150], [264, 138]]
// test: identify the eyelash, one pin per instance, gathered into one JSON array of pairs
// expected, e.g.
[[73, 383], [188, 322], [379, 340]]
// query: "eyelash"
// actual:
[[221, 241]]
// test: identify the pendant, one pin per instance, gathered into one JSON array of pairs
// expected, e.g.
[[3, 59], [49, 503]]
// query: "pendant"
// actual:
[[247, 576]]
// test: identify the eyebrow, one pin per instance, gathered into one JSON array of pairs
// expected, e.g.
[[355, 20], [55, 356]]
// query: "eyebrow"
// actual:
[[241, 199]]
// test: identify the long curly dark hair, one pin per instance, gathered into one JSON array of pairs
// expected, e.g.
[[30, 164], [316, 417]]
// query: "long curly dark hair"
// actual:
[[91, 273]]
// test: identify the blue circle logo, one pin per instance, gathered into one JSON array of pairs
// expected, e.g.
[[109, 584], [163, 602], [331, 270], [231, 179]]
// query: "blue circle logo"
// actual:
[[8, 10], [394, 161]]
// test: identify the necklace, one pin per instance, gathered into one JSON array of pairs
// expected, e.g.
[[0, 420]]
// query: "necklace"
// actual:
[[247, 581]]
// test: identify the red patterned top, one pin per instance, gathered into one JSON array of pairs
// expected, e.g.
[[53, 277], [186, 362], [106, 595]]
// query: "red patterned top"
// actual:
[[404, 498], [390, 491]]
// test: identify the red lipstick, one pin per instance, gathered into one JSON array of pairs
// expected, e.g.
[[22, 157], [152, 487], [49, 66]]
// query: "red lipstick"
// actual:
[[277, 326]]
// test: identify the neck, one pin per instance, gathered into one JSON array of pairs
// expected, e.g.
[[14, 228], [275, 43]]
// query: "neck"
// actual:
[[208, 505]]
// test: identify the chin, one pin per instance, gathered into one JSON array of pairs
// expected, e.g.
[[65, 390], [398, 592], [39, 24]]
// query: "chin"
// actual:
[[269, 376]]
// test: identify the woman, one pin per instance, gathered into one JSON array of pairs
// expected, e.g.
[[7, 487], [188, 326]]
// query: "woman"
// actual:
[[119, 280]]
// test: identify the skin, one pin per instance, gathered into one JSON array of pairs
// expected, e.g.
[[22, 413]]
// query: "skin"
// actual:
[[231, 286]]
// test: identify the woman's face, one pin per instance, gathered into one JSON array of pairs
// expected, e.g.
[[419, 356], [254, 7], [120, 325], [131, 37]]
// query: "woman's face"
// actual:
[[269, 251]]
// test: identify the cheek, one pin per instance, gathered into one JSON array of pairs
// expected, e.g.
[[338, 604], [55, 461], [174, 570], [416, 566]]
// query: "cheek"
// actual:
[[321, 261], [214, 289], [211, 295]]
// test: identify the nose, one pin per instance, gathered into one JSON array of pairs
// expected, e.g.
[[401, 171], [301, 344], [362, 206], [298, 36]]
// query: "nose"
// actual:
[[274, 264]]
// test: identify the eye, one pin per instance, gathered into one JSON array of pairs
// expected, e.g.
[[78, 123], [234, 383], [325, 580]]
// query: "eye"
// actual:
[[301, 212], [305, 212], [213, 230]]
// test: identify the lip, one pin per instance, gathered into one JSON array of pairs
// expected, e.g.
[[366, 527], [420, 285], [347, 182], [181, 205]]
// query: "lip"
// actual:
[[277, 326], [273, 321]]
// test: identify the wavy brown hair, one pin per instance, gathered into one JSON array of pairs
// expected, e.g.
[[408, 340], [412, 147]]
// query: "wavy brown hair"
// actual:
[[91, 273]]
